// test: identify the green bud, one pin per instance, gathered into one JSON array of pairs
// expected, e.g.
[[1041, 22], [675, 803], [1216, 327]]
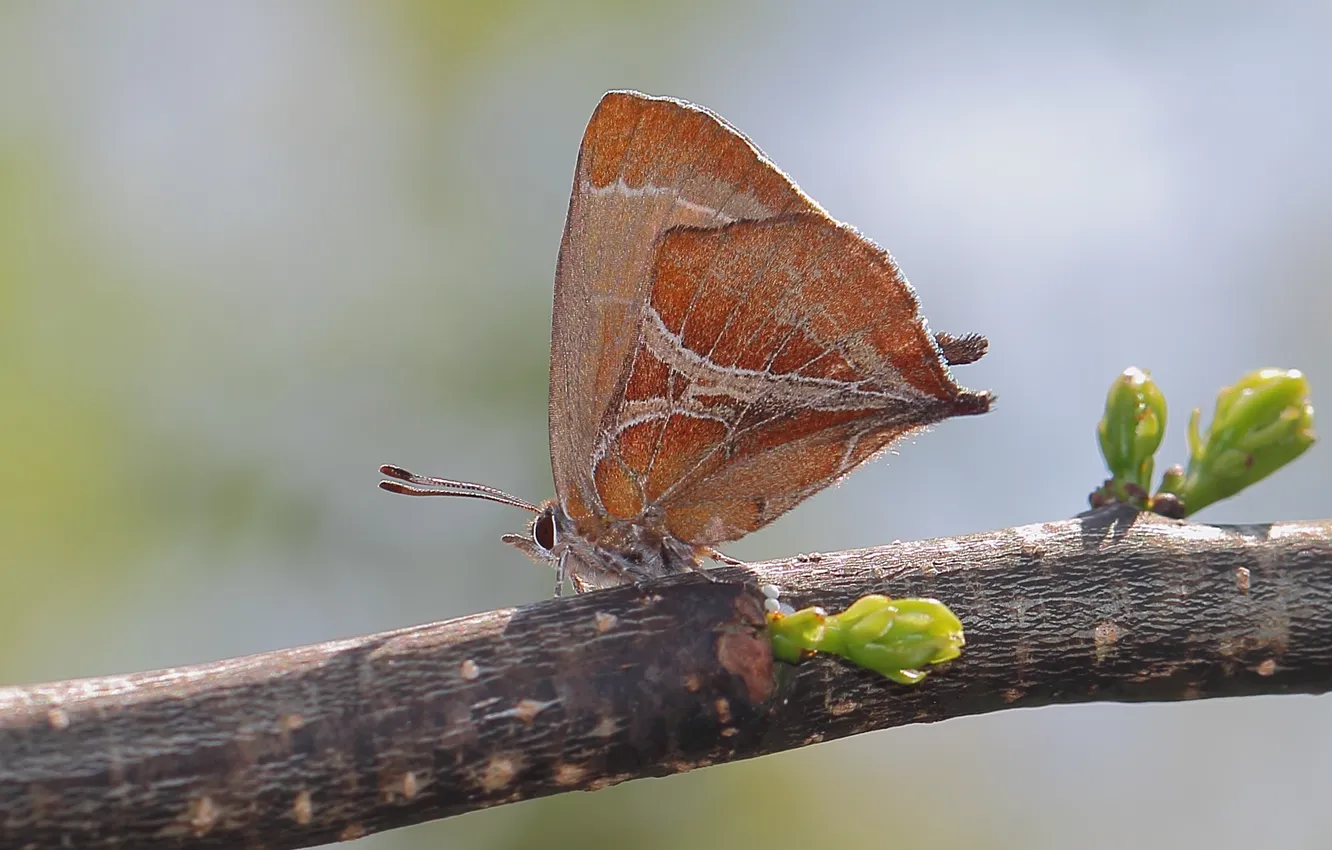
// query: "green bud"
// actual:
[[1172, 479], [1130, 433], [898, 638], [893, 637], [1261, 424], [796, 636]]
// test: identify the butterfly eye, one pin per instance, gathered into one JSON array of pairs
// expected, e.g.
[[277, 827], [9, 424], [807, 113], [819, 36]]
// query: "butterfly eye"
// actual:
[[543, 530]]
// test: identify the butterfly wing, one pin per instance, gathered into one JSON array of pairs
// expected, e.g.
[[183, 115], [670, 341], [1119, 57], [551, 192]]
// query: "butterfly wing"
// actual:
[[773, 358], [646, 165]]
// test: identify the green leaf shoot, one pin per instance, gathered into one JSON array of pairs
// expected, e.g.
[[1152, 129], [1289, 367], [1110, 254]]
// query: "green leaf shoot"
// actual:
[[897, 638]]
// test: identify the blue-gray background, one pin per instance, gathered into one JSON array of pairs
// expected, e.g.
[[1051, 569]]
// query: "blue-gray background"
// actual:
[[249, 251]]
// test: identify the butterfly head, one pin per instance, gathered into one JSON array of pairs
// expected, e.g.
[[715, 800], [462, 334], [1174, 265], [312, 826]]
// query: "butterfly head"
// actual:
[[606, 553], [546, 537], [602, 553], [549, 535]]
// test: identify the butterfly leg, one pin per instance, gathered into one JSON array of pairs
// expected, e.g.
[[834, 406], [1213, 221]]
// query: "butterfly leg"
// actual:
[[724, 559], [709, 552], [559, 574]]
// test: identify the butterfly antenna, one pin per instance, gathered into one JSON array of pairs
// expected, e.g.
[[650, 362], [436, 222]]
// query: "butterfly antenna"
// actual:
[[411, 484]]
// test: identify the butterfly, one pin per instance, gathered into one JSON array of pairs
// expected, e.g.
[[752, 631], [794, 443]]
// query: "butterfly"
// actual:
[[721, 350]]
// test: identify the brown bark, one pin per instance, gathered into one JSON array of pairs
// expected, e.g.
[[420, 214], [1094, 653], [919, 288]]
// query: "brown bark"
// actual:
[[308, 745]]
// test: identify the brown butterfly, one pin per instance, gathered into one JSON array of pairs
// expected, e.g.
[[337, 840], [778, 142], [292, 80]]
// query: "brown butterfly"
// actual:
[[722, 350]]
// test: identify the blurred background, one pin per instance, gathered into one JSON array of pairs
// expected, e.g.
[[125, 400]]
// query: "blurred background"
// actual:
[[249, 251]]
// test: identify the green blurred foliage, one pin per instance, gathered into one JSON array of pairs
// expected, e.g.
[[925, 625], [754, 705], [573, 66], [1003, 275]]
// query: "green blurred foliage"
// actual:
[[447, 40], [67, 529]]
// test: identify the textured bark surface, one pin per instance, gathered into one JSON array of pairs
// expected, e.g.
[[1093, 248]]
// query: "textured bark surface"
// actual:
[[337, 740]]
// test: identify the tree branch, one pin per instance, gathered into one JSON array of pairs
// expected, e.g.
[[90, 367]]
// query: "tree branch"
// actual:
[[340, 739]]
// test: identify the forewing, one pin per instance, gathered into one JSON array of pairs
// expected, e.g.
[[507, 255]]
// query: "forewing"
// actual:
[[645, 165], [773, 358]]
